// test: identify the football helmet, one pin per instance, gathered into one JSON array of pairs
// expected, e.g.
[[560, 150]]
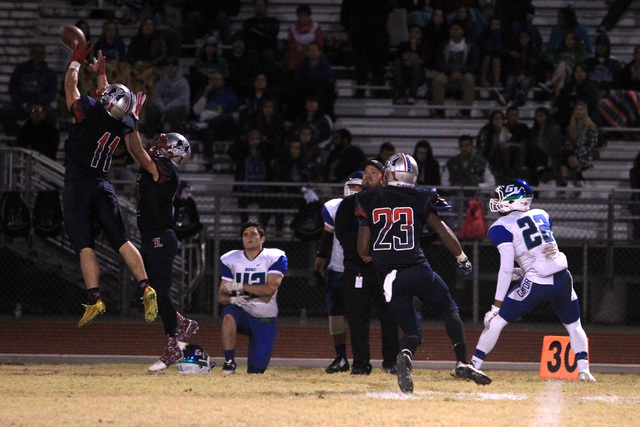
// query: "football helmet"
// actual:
[[195, 361], [514, 195], [117, 100], [354, 179], [173, 145], [401, 170]]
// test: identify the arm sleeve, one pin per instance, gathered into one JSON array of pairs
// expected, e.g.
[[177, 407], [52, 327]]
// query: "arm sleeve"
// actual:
[[325, 244], [225, 272]]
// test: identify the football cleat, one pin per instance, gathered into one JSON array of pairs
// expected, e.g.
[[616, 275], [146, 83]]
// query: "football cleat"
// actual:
[[405, 373], [390, 369], [229, 367], [361, 369], [338, 365], [186, 328], [586, 376], [91, 312], [150, 300], [466, 371], [172, 354]]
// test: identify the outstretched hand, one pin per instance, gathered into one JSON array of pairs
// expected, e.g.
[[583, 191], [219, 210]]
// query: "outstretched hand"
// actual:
[[80, 52], [98, 64], [140, 98]]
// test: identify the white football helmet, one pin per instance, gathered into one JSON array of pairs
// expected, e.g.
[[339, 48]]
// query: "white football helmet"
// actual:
[[401, 170], [173, 145], [515, 195], [118, 100], [354, 179], [195, 361]]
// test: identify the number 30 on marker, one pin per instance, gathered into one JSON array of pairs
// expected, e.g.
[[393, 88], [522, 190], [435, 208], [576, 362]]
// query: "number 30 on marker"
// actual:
[[558, 360]]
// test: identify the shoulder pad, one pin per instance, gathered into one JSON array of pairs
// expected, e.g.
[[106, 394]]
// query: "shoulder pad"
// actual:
[[439, 204]]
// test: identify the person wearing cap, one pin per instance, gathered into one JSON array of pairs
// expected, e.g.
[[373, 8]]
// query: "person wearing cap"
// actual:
[[333, 283], [171, 101], [604, 69], [361, 289], [208, 59]]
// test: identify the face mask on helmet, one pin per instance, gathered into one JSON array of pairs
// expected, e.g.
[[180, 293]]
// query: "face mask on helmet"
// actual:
[[117, 100], [401, 170], [351, 182], [195, 361], [172, 145], [515, 195]]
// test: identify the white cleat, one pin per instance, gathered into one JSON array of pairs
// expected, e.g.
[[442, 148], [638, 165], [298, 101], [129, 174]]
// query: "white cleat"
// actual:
[[158, 366], [586, 376]]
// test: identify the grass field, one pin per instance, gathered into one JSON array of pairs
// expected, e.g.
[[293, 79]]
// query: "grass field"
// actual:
[[127, 395]]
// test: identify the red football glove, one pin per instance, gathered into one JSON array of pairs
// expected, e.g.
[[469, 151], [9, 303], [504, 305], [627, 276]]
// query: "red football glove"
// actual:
[[81, 51], [154, 144], [140, 98]]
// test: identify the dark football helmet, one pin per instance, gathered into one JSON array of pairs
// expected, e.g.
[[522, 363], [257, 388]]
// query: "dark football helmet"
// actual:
[[401, 170], [195, 361], [354, 179], [117, 100], [514, 195]]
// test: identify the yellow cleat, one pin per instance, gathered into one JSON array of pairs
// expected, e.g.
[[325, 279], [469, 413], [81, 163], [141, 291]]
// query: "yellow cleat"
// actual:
[[91, 312], [150, 304]]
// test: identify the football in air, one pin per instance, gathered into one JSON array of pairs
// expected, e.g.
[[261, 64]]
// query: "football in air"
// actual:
[[69, 34]]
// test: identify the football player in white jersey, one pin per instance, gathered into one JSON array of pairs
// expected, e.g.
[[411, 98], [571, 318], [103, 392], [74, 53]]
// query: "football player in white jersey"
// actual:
[[334, 296], [525, 236], [249, 286]]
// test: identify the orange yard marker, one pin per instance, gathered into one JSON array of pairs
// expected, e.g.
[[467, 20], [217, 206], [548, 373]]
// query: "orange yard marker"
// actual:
[[558, 360]]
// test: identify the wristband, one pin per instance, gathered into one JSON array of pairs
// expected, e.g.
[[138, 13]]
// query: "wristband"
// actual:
[[75, 65], [462, 257]]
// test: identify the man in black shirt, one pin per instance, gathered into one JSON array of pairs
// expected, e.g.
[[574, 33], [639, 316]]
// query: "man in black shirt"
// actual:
[[361, 287], [391, 222]]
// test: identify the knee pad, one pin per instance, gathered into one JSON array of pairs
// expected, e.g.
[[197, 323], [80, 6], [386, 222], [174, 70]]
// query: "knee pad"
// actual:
[[336, 325]]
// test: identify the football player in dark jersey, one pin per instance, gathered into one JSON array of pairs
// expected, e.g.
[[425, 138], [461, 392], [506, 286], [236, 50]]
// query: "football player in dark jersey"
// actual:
[[391, 222], [156, 186], [99, 125]]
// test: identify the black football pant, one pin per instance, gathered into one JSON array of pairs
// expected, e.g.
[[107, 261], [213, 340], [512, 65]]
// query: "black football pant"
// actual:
[[358, 302]]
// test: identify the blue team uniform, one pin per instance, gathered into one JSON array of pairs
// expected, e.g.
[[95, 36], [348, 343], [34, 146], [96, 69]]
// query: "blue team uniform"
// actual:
[[396, 217], [334, 296], [88, 195], [256, 319]]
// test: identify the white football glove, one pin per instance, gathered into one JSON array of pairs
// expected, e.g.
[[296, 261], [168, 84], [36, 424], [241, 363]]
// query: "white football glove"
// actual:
[[517, 274], [231, 287], [241, 300], [490, 315]]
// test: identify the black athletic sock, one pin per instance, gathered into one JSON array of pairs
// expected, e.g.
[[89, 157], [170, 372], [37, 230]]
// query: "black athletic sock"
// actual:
[[93, 295], [455, 329], [341, 351]]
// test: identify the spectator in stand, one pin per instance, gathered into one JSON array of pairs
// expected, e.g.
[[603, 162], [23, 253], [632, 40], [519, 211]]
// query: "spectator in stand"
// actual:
[[523, 21], [630, 78], [253, 163], [243, 66], [604, 70], [38, 133], [365, 22], [315, 118], [408, 67], [467, 169], [566, 56], [270, 124], [216, 107], [343, 157], [436, 36], [147, 48], [547, 141], [301, 34], [514, 149], [252, 104], [472, 20], [31, 83], [169, 24], [582, 139], [457, 68], [110, 42], [171, 102], [387, 149], [568, 22], [418, 13], [314, 76], [206, 16], [492, 44], [428, 166], [491, 139], [208, 59], [579, 87], [520, 66], [261, 35]]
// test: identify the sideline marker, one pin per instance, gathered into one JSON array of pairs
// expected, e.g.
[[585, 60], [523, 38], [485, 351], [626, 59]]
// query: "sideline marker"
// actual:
[[558, 360]]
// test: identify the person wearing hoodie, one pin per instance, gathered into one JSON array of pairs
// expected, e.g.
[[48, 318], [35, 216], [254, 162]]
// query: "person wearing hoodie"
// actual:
[[604, 69], [171, 101]]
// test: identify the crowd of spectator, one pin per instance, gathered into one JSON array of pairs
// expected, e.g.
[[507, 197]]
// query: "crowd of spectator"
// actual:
[[274, 100]]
